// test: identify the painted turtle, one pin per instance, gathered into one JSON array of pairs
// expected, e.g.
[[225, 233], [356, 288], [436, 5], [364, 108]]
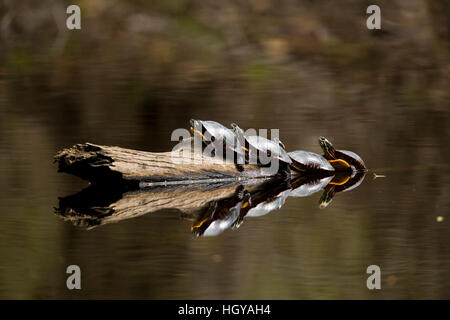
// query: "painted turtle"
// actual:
[[263, 151], [269, 196], [309, 162], [265, 207], [221, 138], [221, 215], [340, 183], [341, 160]]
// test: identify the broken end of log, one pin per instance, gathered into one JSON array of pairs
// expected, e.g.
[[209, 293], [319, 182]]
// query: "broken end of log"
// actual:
[[87, 161]]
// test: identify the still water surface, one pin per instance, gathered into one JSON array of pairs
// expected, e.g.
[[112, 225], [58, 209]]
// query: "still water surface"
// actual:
[[296, 252]]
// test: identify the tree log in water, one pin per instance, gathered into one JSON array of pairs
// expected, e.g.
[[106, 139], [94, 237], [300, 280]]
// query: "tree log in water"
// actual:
[[95, 205], [134, 169]]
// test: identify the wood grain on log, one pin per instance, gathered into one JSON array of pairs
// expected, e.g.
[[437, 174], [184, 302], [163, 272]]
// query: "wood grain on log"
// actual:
[[96, 206], [105, 164], [89, 209]]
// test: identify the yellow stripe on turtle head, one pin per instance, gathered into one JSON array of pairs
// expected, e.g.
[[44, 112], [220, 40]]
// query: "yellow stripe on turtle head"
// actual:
[[323, 204], [340, 165], [199, 224], [339, 180], [195, 131]]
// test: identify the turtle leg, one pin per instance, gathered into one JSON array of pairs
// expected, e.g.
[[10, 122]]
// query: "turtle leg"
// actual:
[[197, 227], [237, 223], [212, 209], [285, 172], [240, 192], [246, 198]]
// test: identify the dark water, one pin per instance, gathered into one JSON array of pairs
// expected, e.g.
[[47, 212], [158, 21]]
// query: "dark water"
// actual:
[[389, 105], [296, 252]]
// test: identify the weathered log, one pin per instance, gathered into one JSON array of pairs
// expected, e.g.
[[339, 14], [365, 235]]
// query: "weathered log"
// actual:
[[96, 206], [105, 164]]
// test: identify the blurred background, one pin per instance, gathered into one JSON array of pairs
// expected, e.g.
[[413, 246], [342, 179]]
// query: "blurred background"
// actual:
[[137, 70]]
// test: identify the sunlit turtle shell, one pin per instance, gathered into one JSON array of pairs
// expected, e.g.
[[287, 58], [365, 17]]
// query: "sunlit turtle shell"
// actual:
[[217, 134], [256, 144], [305, 161]]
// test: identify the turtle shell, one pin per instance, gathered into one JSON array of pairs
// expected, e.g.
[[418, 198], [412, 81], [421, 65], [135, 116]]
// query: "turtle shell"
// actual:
[[223, 218], [349, 183], [218, 226], [219, 135], [305, 161], [355, 185], [265, 207], [310, 187], [268, 147], [352, 158], [216, 131]]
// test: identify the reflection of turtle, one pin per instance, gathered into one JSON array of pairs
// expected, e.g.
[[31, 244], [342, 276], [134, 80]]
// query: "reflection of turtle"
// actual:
[[304, 186], [262, 151], [340, 183], [271, 204], [220, 137], [341, 160], [309, 162], [270, 196], [220, 215]]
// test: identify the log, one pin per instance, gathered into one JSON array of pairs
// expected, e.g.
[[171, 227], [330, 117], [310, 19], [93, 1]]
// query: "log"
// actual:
[[136, 169], [97, 206], [94, 206]]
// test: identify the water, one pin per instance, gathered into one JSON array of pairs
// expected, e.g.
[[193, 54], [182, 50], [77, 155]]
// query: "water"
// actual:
[[389, 105]]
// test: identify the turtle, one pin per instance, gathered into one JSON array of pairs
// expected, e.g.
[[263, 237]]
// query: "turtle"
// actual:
[[341, 160], [269, 196], [221, 215], [220, 137], [341, 183], [257, 149], [309, 162], [269, 205]]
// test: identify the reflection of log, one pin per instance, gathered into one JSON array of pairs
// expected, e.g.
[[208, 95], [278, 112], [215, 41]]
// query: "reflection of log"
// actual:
[[96, 206], [102, 164]]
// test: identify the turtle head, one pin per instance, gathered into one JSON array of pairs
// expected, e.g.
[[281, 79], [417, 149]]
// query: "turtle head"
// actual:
[[236, 128], [247, 199], [197, 128], [239, 134], [194, 124], [326, 146], [326, 198]]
